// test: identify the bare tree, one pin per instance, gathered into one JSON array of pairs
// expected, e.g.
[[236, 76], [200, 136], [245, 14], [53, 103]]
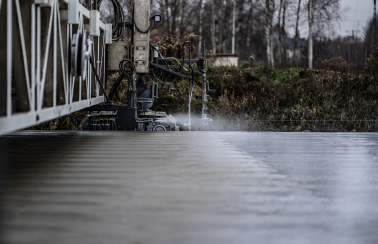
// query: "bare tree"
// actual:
[[182, 18], [249, 26], [296, 30], [233, 25], [213, 14], [269, 17], [280, 48], [201, 6], [370, 35], [311, 12], [321, 13], [167, 13], [283, 31]]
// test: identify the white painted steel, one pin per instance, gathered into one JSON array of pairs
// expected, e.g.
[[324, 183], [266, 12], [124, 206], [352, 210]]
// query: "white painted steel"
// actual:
[[95, 23], [73, 12], [9, 56], [65, 17], [108, 34]]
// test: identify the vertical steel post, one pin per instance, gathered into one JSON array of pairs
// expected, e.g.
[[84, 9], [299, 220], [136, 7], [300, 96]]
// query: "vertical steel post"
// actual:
[[204, 94], [55, 53], [9, 57], [33, 59], [38, 60]]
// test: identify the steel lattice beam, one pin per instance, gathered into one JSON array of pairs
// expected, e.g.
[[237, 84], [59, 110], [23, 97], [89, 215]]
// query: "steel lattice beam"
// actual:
[[35, 83]]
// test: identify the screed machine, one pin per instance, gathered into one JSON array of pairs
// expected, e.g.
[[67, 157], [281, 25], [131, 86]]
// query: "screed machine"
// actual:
[[135, 59]]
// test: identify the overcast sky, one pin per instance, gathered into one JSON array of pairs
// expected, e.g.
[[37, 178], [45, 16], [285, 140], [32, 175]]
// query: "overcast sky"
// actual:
[[359, 11]]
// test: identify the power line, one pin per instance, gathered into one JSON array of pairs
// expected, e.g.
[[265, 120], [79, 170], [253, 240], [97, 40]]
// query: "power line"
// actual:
[[355, 14], [360, 11], [353, 32]]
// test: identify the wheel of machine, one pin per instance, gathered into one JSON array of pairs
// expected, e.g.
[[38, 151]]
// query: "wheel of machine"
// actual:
[[84, 61], [79, 47], [76, 53], [159, 128]]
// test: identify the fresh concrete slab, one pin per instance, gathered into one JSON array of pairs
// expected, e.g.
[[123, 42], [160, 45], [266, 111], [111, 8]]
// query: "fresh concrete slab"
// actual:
[[189, 187]]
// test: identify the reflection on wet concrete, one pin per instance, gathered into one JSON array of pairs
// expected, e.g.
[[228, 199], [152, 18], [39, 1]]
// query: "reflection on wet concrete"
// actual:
[[3, 174], [198, 187], [340, 168]]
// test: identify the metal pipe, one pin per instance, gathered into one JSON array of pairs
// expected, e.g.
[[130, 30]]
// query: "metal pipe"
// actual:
[[135, 103], [190, 68], [190, 86], [204, 94], [169, 70], [135, 98], [189, 123], [156, 55]]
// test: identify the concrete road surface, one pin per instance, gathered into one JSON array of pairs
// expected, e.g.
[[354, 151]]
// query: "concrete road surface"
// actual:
[[189, 188]]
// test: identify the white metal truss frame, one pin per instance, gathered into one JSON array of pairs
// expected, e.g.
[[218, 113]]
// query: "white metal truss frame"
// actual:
[[42, 53]]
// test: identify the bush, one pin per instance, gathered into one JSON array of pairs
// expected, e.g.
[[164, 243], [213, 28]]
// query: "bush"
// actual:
[[245, 65], [371, 66]]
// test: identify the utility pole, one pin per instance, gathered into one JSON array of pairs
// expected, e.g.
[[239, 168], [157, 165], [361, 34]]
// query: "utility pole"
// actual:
[[353, 43], [353, 32], [375, 21]]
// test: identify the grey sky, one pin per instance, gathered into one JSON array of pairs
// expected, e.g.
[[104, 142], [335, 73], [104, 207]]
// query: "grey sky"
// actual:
[[359, 11]]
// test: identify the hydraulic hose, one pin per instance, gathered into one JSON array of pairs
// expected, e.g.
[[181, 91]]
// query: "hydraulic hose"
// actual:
[[119, 17], [98, 79]]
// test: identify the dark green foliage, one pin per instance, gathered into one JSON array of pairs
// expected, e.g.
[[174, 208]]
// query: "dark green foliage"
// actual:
[[371, 66], [245, 64], [294, 99]]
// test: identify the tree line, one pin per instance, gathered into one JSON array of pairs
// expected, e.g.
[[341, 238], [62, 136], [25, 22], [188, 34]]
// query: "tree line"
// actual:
[[278, 33]]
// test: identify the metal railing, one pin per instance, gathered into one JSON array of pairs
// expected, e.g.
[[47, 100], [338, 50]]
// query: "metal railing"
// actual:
[[35, 81]]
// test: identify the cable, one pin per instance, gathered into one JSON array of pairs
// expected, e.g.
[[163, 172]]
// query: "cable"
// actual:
[[160, 55], [162, 82], [119, 17], [136, 27], [165, 83], [120, 77], [98, 79], [143, 32], [122, 67], [180, 63], [115, 86]]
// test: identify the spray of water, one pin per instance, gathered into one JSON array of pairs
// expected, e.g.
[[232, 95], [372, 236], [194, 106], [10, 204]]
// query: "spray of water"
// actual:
[[218, 123]]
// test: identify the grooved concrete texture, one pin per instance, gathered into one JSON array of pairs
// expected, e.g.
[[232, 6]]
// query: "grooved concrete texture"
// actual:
[[189, 187]]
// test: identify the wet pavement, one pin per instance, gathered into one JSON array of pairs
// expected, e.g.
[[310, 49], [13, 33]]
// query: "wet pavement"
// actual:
[[189, 187]]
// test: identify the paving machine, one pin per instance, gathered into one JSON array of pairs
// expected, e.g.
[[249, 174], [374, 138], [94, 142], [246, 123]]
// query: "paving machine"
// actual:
[[135, 59]]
